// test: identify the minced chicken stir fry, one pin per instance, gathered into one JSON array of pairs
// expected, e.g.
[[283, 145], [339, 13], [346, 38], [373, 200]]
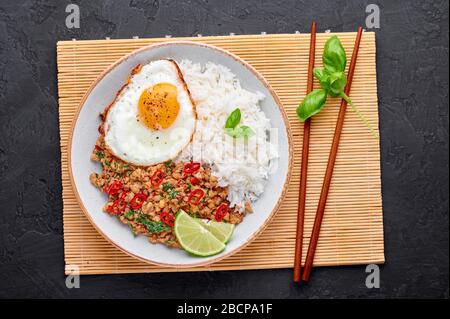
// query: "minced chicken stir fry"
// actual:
[[147, 198]]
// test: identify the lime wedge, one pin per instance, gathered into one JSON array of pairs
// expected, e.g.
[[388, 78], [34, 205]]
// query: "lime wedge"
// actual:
[[195, 238], [222, 231]]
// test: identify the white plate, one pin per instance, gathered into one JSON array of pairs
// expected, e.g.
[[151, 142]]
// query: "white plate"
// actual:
[[84, 135]]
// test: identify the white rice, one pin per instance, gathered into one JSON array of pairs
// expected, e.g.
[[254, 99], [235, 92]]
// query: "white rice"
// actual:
[[241, 164]]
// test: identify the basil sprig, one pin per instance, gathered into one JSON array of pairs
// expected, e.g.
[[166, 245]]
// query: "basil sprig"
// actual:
[[312, 104], [334, 58], [242, 131], [151, 225], [332, 80], [231, 126], [233, 119]]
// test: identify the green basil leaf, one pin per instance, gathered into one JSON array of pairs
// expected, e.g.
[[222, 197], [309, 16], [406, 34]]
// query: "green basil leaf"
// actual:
[[324, 79], [337, 82], [152, 226], [230, 131], [246, 131], [334, 57], [312, 104], [318, 73], [129, 215], [167, 187], [173, 194], [233, 119], [243, 131]]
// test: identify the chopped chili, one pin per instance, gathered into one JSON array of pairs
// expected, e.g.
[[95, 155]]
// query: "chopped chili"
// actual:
[[195, 180], [118, 205], [191, 168], [196, 196], [114, 188], [167, 218], [157, 178], [221, 211], [138, 200]]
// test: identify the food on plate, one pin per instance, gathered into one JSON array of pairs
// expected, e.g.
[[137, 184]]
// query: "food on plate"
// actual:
[[181, 143], [153, 117], [195, 238], [240, 164], [148, 198], [222, 231]]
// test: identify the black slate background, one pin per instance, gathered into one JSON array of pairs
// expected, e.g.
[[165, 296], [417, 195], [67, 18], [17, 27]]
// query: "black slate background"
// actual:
[[413, 81]]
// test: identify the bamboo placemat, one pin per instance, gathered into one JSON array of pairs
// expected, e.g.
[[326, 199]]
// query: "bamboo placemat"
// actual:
[[352, 230]]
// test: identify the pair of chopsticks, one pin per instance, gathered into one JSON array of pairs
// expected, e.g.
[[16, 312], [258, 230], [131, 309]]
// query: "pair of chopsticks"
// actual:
[[298, 275]]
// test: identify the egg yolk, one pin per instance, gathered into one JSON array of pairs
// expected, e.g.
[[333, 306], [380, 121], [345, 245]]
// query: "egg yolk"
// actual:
[[158, 106]]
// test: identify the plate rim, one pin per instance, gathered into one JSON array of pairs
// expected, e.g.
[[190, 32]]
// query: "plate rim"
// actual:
[[249, 68]]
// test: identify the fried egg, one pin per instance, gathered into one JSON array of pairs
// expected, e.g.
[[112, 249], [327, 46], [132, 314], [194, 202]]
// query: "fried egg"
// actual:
[[153, 117]]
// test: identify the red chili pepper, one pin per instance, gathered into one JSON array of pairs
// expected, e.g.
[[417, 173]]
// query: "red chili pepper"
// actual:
[[195, 180], [109, 208], [117, 206], [196, 196], [138, 200], [114, 188], [121, 205], [221, 211], [167, 218], [191, 168], [157, 178]]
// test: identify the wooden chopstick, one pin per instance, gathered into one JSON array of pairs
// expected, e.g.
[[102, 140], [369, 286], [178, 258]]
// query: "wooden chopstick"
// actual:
[[304, 164], [330, 166]]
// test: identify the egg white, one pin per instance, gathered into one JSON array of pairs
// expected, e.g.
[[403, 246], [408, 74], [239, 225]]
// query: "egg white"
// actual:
[[130, 139]]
